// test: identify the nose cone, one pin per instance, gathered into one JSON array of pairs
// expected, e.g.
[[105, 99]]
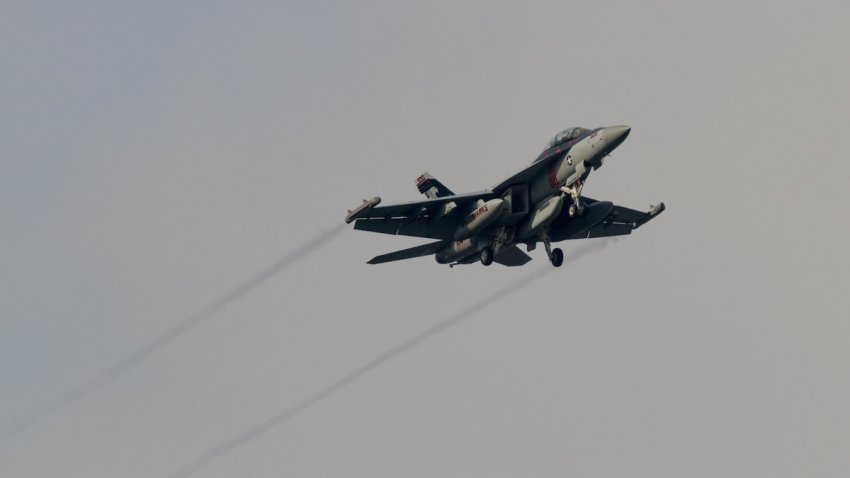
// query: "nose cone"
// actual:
[[615, 135], [607, 140]]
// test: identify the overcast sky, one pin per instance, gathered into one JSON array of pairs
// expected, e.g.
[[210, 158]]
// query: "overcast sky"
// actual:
[[155, 157]]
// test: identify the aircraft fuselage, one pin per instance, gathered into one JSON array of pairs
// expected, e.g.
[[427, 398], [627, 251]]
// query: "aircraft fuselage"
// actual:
[[578, 157], [541, 203]]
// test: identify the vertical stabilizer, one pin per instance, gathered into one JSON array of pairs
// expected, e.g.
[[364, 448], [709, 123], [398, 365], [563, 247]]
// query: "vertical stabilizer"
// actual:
[[431, 187]]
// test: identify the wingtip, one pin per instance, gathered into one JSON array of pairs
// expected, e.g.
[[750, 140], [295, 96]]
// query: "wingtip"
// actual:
[[657, 209]]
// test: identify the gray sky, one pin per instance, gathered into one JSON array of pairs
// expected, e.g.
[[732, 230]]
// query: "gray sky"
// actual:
[[154, 157]]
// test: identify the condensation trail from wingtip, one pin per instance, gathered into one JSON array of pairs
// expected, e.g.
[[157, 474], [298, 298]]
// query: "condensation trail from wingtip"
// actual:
[[176, 331], [259, 429]]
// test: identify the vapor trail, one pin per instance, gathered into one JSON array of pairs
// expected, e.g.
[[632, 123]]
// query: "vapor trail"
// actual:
[[259, 429], [176, 331]]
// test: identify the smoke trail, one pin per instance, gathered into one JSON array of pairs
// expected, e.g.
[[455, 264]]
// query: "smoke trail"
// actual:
[[259, 429], [176, 331]]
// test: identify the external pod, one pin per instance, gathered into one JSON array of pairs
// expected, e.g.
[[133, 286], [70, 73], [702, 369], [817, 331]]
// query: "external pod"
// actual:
[[457, 250], [543, 215], [480, 218]]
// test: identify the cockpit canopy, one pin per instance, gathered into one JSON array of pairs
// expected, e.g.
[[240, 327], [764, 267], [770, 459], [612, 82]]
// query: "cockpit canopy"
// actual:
[[566, 135]]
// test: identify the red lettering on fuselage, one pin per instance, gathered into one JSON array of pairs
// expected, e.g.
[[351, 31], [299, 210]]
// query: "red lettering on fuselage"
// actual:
[[475, 214]]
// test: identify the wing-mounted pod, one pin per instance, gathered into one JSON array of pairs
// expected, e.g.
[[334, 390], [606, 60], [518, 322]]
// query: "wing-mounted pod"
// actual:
[[545, 213], [479, 219], [356, 212]]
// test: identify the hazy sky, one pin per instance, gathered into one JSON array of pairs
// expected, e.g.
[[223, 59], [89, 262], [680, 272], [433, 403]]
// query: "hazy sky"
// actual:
[[157, 156]]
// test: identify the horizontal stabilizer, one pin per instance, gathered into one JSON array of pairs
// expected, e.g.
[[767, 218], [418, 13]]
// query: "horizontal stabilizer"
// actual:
[[512, 257], [418, 251]]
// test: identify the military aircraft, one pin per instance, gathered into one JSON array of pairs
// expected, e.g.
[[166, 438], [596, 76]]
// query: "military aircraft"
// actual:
[[526, 208]]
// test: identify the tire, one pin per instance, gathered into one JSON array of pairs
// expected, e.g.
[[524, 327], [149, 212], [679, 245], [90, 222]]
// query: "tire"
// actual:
[[557, 257], [486, 256]]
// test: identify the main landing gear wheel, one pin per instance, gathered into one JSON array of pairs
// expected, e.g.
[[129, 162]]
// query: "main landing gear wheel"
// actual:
[[557, 257], [487, 256], [574, 210]]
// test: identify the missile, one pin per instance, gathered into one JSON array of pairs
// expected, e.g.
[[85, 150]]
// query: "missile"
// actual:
[[356, 212]]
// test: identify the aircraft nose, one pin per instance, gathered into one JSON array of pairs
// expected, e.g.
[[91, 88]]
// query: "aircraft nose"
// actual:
[[615, 135], [608, 140]]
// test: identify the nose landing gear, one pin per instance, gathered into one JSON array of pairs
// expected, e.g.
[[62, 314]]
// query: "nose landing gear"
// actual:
[[576, 208]]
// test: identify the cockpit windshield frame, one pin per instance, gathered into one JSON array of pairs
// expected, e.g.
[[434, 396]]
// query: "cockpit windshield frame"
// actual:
[[568, 134]]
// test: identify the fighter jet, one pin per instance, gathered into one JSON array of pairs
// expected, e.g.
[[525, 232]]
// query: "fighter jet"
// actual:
[[541, 203]]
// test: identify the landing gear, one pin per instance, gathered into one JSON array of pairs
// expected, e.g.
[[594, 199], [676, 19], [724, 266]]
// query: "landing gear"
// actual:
[[556, 256], [505, 235], [486, 256], [576, 208]]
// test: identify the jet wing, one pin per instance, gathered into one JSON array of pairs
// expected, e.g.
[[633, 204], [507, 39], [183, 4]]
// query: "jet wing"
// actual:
[[416, 218], [620, 221], [423, 207], [442, 228]]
